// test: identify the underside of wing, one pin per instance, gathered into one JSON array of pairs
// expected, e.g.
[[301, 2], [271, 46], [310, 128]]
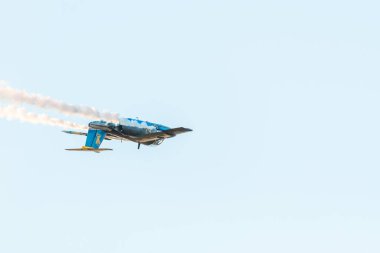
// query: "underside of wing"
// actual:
[[162, 135], [178, 130]]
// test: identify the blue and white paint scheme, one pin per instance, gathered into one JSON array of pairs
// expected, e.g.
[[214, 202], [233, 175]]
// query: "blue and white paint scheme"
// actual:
[[128, 129]]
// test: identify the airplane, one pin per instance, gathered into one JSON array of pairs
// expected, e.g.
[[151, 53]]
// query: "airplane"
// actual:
[[128, 129]]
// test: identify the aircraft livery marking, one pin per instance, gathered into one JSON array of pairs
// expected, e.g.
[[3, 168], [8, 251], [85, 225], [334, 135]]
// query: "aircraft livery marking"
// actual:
[[98, 139]]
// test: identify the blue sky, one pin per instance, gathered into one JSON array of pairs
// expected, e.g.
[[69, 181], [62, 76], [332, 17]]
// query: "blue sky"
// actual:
[[283, 98]]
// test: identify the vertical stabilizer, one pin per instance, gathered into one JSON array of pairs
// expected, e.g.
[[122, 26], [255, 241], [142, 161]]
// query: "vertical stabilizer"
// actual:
[[94, 138]]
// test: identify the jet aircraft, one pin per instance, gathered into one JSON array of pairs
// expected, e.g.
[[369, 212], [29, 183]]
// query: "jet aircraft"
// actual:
[[128, 129]]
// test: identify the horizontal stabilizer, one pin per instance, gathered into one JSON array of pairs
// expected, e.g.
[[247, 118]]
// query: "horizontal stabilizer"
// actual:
[[84, 148], [74, 132], [81, 133]]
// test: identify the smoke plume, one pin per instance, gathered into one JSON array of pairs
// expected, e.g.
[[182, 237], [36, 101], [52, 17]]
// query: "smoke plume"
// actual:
[[20, 96], [18, 113]]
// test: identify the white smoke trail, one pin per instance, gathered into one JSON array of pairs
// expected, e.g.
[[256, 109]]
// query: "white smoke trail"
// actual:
[[21, 96], [12, 112]]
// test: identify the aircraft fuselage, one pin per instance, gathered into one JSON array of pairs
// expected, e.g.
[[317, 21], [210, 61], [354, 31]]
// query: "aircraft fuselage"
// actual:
[[128, 128], [141, 132]]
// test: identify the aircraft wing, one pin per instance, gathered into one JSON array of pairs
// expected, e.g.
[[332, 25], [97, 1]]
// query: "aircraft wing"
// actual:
[[162, 135], [178, 130]]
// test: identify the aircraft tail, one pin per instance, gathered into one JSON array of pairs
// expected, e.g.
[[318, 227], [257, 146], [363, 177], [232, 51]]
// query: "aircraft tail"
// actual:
[[85, 148], [93, 141], [95, 138], [74, 132]]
